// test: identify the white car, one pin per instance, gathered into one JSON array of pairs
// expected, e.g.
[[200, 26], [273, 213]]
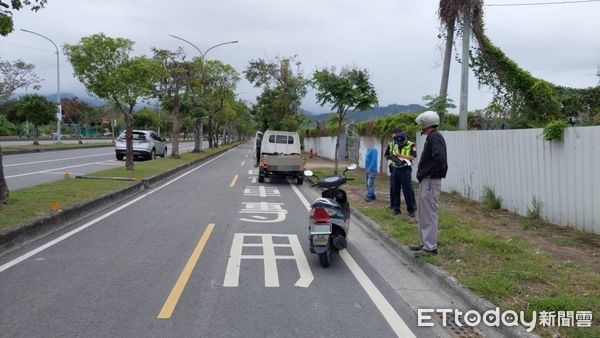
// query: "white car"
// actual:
[[146, 144]]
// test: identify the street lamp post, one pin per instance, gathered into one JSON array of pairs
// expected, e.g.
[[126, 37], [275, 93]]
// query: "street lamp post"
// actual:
[[59, 113], [202, 58]]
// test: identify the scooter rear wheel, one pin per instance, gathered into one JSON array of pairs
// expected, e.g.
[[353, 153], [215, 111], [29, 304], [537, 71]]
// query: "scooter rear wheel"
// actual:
[[325, 258]]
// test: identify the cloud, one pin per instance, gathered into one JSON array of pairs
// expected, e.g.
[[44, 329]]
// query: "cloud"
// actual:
[[395, 40]]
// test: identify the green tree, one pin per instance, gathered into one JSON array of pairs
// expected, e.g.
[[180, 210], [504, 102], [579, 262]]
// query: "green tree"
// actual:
[[284, 86], [38, 110], [348, 90], [6, 19], [146, 119], [6, 27], [104, 66], [439, 104], [173, 86], [219, 93], [6, 127]]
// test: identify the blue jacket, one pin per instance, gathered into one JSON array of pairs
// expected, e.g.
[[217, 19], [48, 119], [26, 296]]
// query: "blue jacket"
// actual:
[[371, 160]]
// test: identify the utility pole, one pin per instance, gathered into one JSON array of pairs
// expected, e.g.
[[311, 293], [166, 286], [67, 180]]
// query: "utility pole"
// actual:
[[446, 67], [464, 80]]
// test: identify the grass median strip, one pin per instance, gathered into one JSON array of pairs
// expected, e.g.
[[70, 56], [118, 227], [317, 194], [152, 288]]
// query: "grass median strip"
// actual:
[[29, 203], [515, 262]]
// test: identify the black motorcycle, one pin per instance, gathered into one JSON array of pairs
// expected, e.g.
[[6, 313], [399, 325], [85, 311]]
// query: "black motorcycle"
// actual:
[[329, 220]]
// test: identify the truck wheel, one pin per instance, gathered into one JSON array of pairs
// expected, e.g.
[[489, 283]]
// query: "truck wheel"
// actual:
[[299, 180]]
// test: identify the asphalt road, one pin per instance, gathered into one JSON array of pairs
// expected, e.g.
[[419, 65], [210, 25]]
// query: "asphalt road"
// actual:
[[26, 170], [209, 253]]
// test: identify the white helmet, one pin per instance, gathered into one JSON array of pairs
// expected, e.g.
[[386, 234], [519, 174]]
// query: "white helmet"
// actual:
[[428, 119]]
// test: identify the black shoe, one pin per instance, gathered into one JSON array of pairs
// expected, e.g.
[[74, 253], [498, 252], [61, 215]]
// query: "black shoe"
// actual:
[[415, 247], [424, 252], [397, 212], [369, 199], [411, 214]]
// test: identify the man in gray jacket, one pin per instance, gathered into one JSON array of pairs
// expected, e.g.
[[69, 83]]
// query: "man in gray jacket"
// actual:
[[433, 166]]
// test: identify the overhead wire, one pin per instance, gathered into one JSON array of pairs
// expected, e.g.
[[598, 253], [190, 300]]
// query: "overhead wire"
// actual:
[[541, 3]]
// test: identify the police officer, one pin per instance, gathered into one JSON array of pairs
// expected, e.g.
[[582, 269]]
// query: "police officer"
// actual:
[[400, 153]]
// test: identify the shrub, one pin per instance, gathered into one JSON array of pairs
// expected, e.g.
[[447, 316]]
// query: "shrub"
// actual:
[[554, 130], [536, 208], [490, 199]]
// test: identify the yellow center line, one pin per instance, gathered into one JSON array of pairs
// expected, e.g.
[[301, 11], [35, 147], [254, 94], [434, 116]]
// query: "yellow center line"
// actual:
[[171, 302], [233, 181], [243, 162]]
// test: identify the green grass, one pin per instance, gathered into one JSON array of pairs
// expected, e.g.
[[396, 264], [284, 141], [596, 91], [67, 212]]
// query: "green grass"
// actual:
[[505, 268], [29, 203], [146, 169], [9, 149], [508, 272]]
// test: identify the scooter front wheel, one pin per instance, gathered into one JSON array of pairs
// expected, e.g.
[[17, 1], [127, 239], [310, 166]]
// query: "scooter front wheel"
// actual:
[[325, 258]]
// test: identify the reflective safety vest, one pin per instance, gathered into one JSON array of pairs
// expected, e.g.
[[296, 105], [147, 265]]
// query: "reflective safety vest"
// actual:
[[395, 150], [407, 149]]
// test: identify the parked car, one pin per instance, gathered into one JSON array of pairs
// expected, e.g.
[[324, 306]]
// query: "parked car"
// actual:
[[146, 144]]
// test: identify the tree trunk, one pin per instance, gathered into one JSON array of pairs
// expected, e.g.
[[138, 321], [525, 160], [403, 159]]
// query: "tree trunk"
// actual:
[[337, 146], [4, 192], [197, 135], [446, 67], [36, 141], [129, 141], [464, 80], [216, 134], [176, 131], [210, 132]]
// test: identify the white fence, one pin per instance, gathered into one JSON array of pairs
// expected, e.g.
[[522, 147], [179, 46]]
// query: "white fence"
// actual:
[[520, 166]]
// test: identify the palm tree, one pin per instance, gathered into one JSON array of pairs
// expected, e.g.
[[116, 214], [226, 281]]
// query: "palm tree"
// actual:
[[449, 12]]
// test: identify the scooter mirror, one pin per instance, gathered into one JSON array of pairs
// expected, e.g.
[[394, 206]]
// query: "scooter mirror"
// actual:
[[351, 166], [308, 173]]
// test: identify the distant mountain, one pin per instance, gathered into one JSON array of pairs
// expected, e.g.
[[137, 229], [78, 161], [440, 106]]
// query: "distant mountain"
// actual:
[[85, 98], [372, 114]]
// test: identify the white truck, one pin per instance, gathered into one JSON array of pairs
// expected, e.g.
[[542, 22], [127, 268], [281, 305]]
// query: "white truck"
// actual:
[[280, 155]]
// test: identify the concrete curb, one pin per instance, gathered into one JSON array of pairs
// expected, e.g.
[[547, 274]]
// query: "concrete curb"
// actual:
[[438, 275], [31, 151], [441, 277], [13, 238]]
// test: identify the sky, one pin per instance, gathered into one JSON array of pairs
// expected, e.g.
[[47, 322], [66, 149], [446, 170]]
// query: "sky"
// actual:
[[395, 40]]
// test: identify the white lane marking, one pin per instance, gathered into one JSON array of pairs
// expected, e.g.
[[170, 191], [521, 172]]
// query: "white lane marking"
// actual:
[[98, 219], [62, 173], [270, 263], [386, 309], [261, 191], [56, 160], [232, 273], [264, 208], [71, 158], [55, 169]]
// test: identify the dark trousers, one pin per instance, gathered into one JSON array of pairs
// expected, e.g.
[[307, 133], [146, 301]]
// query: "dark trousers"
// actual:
[[401, 180]]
